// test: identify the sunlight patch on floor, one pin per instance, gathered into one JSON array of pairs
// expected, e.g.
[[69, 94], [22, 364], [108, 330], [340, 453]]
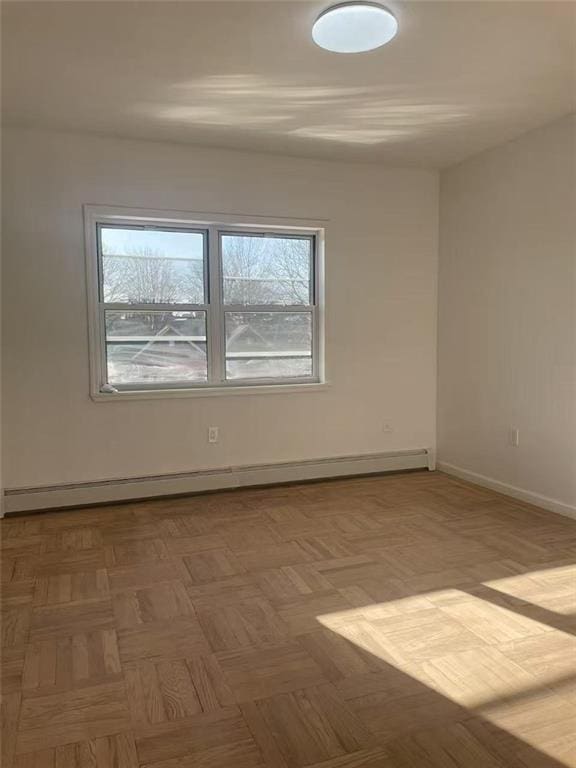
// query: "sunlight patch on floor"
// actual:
[[471, 651], [553, 589]]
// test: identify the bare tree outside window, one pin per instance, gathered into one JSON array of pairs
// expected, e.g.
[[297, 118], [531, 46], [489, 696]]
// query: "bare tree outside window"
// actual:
[[147, 276], [266, 270]]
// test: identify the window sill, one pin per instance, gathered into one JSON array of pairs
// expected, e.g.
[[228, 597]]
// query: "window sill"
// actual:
[[168, 394]]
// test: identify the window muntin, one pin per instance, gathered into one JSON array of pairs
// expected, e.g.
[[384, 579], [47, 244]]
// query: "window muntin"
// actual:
[[193, 306]]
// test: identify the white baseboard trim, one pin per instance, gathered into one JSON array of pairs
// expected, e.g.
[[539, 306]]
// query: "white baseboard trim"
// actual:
[[553, 505], [110, 491]]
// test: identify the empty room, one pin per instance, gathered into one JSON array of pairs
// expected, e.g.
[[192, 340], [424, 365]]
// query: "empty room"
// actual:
[[288, 384]]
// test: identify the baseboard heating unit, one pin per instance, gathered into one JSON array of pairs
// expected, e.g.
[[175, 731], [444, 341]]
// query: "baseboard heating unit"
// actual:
[[134, 488]]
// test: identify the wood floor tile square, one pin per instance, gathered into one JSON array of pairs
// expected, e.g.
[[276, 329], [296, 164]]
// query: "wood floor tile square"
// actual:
[[160, 691], [547, 656], [453, 746], [510, 544], [369, 640], [425, 634], [168, 600], [351, 571], [211, 565], [395, 606], [71, 662], [404, 639], [74, 539], [189, 545], [389, 683], [15, 625], [228, 591], [110, 751], [296, 524], [324, 547], [78, 518], [143, 575], [195, 737], [286, 511], [275, 556], [291, 581], [71, 587], [181, 527], [388, 717], [539, 717], [11, 667], [69, 561], [130, 529], [534, 752], [336, 656], [18, 569], [259, 673], [63, 718], [307, 726], [361, 524], [248, 535], [420, 558], [211, 687], [250, 622], [20, 546], [476, 677], [22, 528], [302, 614], [136, 551], [163, 640], [116, 751], [375, 542], [215, 518], [563, 575], [66, 619], [558, 597], [335, 501], [491, 623]]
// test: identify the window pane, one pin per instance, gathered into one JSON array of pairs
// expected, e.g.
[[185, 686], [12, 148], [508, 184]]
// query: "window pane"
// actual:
[[263, 345], [149, 266], [155, 347], [266, 270]]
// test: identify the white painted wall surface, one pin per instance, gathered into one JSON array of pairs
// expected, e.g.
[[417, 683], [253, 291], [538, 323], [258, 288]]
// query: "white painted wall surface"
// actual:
[[381, 275], [507, 319]]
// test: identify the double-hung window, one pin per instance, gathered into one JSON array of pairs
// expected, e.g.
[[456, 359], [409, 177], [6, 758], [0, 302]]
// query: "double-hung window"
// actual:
[[178, 304]]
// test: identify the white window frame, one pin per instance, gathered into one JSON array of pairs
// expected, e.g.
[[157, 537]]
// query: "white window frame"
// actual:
[[214, 226]]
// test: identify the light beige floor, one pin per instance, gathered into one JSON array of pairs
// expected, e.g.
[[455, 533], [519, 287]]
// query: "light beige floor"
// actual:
[[408, 620]]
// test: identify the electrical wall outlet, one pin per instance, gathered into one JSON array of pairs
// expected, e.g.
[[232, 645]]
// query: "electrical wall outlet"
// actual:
[[514, 437], [213, 434]]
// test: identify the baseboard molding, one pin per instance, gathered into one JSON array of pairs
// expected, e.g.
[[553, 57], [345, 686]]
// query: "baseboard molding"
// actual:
[[553, 505], [110, 491]]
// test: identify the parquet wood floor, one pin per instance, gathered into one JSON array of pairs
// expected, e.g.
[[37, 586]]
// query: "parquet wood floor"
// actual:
[[404, 621]]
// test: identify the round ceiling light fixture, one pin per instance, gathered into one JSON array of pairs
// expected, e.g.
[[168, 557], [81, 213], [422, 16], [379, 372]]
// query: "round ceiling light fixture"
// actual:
[[354, 27]]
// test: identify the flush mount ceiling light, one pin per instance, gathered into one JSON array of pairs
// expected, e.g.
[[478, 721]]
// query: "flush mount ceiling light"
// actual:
[[354, 27]]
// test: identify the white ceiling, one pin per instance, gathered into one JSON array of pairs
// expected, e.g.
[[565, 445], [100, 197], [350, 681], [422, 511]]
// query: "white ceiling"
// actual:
[[459, 77]]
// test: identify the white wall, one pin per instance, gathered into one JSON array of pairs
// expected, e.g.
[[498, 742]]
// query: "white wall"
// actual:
[[381, 264], [507, 320]]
